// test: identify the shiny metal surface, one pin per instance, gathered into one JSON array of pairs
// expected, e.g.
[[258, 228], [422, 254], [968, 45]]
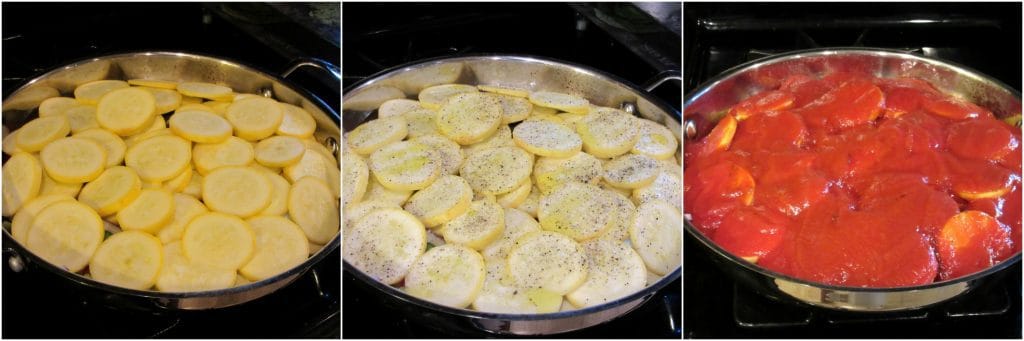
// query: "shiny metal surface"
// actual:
[[734, 85], [533, 74], [176, 67], [14, 261], [740, 82]]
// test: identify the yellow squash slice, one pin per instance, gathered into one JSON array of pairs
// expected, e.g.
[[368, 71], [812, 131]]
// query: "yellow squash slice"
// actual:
[[404, 165], [159, 158], [501, 138], [514, 109], [129, 259], [517, 196], [154, 83], [435, 96], [57, 106], [233, 151], [200, 126], [517, 224], [375, 134], [195, 186], [548, 261], [22, 221], [279, 198], [313, 207], [112, 190], [189, 100], [151, 210], [82, 118], [280, 245], [219, 240], [221, 108], [126, 111], [376, 191], [448, 153], [655, 234], [397, 107], [450, 275], [469, 117], [614, 271], [279, 151], [73, 160], [385, 243], [356, 211], [478, 226], [255, 118], [623, 216], [656, 141], [178, 274], [186, 208], [112, 143], [581, 211], [448, 197], [205, 90], [10, 144], [242, 191], [135, 139], [296, 122], [666, 187], [66, 234], [354, 179], [497, 170], [549, 173], [420, 122], [547, 138], [22, 176], [499, 296], [532, 202], [36, 134], [543, 111], [505, 90], [608, 133], [166, 100], [178, 182], [317, 165], [51, 186], [631, 171], [92, 92], [560, 101]]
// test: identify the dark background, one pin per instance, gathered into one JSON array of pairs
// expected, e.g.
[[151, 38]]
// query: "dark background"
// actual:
[[718, 36], [982, 36], [379, 36], [38, 37]]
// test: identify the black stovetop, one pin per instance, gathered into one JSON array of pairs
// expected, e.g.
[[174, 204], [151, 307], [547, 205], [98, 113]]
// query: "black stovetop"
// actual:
[[40, 37], [986, 37], [378, 36], [381, 36]]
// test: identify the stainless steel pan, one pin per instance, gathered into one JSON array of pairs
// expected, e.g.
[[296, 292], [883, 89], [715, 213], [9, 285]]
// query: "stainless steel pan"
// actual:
[[177, 67], [739, 82], [536, 74]]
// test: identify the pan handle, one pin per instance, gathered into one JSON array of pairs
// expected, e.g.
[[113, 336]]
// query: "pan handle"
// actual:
[[316, 63], [650, 85], [661, 78], [14, 260]]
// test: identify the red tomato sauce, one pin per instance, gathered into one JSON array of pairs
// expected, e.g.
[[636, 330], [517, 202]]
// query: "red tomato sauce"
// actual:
[[852, 180]]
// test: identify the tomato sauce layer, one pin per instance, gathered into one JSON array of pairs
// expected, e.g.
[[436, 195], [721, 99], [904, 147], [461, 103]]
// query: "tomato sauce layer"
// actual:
[[858, 181]]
